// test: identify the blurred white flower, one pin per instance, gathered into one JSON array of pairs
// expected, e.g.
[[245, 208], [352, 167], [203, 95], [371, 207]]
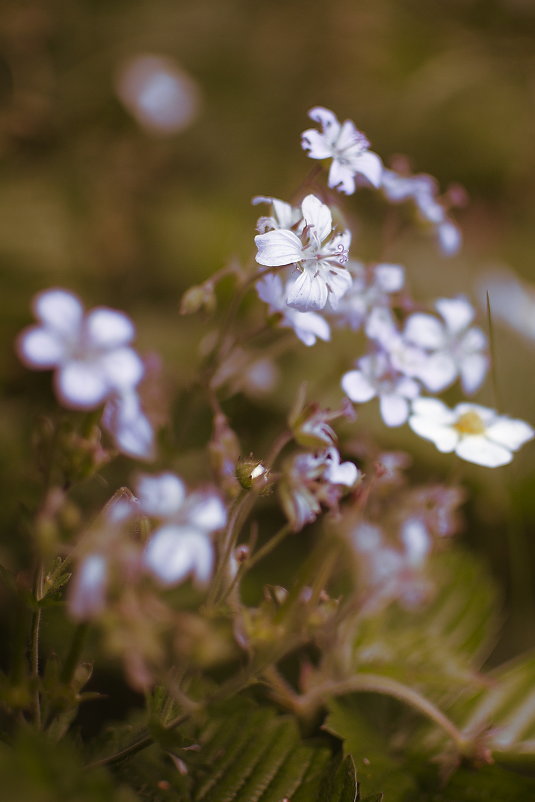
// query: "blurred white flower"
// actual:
[[422, 189], [475, 433], [453, 347], [346, 146], [181, 546], [376, 376], [308, 326], [371, 289], [132, 431], [157, 93], [318, 254], [511, 300], [87, 591], [89, 351]]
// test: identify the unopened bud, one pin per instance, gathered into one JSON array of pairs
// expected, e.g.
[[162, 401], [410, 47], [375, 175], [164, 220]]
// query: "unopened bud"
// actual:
[[252, 474], [197, 298]]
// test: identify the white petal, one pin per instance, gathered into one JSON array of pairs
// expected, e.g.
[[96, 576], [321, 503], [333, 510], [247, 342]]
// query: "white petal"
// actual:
[[425, 331], [338, 281], [326, 118], [207, 511], [278, 247], [437, 371], [130, 428], [481, 451], [510, 432], [458, 313], [309, 326], [449, 238], [173, 552], [123, 368], [357, 387], [344, 474], [161, 496], [270, 290], [342, 177], [394, 409], [487, 415], [87, 590], [473, 371], [307, 293], [59, 310], [108, 328], [39, 347], [81, 385], [390, 278], [444, 437], [415, 538], [318, 215], [316, 145], [370, 166], [434, 409], [473, 340]]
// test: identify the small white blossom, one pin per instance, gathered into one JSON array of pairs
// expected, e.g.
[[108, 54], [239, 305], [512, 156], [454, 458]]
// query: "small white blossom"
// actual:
[[181, 546], [130, 428], [308, 326], [371, 289], [89, 352], [318, 253], [423, 190], [346, 146], [283, 215], [453, 347], [475, 433], [376, 376]]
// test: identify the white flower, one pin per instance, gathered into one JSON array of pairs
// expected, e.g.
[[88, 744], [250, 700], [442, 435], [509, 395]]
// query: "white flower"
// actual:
[[132, 431], [317, 252], [453, 347], [182, 545], [423, 190], [475, 433], [376, 376], [89, 351], [346, 146], [87, 591], [371, 289], [308, 326]]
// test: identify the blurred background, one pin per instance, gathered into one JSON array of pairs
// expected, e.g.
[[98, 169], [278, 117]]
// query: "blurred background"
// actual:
[[134, 133]]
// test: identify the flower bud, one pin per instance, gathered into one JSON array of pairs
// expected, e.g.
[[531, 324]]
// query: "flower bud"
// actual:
[[252, 474]]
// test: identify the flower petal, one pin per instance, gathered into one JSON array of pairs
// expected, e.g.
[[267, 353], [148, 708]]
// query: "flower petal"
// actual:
[[315, 144], [278, 247], [473, 371], [123, 368], [308, 293], [107, 328], [173, 552], [342, 177], [206, 511], [481, 451], [162, 495], [394, 409], [357, 387], [458, 313], [370, 166], [308, 326], [425, 331], [59, 310], [318, 215], [81, 385], [510, 432], [40, 347]]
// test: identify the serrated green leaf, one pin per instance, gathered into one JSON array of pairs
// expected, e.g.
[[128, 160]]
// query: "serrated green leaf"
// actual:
[[340, 785]]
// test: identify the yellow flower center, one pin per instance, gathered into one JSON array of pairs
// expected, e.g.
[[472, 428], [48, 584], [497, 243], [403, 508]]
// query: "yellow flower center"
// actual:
[[470, 423]]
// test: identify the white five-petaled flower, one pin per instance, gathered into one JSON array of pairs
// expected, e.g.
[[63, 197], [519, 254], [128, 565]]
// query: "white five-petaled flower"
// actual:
[[317, 251], [346, 146], [181, 546], [308, 326], [90, 352], [376, 376], [453, 347], [475, 433]]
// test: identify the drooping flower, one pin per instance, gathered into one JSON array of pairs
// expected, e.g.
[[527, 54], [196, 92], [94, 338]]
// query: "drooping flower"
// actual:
[[475, 433], [422, 189], [181, 546], [453, 347], [346, 146], [376, 376], [318, 252], [308, 326], [89, 352]]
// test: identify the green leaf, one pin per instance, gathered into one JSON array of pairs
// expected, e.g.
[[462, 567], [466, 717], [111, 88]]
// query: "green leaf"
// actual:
[[341, 785]]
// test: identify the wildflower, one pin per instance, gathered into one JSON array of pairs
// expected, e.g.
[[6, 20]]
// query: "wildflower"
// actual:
[[308, 326], [89, 352], [346, 146], [453, 347], [377, 376], [371, 289], [475, 433], [318, 254], [130, 428], [181, 545], [313, 479], [422, 189]]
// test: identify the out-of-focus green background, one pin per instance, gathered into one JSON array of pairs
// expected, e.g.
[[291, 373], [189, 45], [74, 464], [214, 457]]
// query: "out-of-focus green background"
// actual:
[[92, 201]]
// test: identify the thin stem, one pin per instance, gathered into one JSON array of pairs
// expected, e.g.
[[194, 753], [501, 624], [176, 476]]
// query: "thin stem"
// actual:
[[34, 643], [268, 547]]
